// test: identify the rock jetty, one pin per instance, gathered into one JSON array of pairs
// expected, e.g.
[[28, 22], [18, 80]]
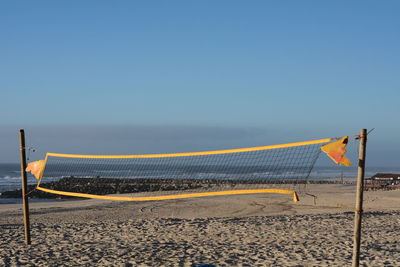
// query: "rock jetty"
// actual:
[[105, 186]]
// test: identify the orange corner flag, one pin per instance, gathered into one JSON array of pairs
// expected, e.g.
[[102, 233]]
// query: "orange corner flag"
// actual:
[[336, 151], [36, 168]]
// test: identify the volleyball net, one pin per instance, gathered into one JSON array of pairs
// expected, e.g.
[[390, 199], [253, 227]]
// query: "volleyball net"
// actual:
[[278, 169]]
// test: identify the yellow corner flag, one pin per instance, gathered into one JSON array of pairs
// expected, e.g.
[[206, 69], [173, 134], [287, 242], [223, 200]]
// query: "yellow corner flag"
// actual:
[[336, 151], [36, 168]]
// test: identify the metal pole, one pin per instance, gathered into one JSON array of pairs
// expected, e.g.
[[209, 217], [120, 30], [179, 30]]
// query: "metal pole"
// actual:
[[359, 198], [25, 203]]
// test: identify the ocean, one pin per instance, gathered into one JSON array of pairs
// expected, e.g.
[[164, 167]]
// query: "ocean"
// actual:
[[10, 176], [10, 179]]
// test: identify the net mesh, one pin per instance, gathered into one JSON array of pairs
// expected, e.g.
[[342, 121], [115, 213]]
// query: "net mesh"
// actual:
[[162, 176]]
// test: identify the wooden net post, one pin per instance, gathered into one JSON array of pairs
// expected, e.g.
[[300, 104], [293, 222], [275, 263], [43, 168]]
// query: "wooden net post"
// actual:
[[25, 203], [359, 198]]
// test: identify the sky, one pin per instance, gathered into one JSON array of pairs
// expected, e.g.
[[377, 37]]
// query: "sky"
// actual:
[[128, 77]]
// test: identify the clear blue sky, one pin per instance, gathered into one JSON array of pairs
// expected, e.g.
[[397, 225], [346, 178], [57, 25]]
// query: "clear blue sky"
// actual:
[[227, 73]]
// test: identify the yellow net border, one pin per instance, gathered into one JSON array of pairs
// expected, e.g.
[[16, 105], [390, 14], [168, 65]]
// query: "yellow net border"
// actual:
[[189, 154], [180, 196]]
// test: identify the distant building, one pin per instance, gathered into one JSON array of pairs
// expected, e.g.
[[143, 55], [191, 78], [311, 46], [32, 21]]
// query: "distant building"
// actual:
[[385, 181], [386, 177]]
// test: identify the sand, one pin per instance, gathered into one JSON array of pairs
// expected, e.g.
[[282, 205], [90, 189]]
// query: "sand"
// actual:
[[246, 230]]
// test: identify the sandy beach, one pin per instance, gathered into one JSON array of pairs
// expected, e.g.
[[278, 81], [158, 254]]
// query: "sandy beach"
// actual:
[[246, 230]]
